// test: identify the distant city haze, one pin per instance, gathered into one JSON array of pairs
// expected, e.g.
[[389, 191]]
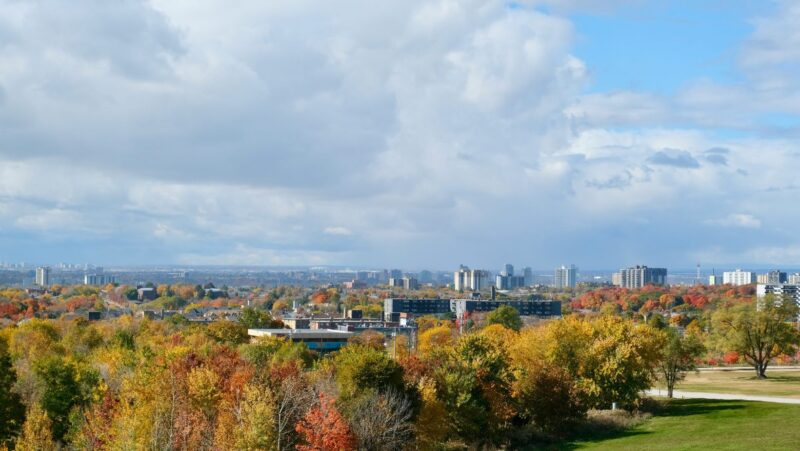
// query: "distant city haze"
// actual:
[[410, 134]]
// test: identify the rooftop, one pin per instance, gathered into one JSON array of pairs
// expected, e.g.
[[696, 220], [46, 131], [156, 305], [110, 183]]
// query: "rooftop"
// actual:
[[299, 333]]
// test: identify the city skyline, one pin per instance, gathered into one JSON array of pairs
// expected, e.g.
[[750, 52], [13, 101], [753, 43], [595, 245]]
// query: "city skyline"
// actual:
[[391, 270], [608, 133]]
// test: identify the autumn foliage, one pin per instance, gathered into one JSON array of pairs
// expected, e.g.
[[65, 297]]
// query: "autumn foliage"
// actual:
[[138, 383], [659, 298], [324, 429]]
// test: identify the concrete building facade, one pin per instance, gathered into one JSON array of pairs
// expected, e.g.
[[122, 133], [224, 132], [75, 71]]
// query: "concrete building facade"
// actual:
[[639, 276]]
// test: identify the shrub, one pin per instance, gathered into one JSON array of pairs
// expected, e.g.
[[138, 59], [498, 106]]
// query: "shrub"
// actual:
[[731, 358], [551, 399]]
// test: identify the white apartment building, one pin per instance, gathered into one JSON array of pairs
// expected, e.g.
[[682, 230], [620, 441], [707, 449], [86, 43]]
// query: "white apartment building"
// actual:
[[738, 277], [98, 279], [780, 290], [639, 276], [470, 279], [43, 276], [565, 277]]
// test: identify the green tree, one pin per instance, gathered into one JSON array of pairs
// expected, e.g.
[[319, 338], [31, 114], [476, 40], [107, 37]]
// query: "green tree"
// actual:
[[680, 353], [177, 320], [228, 332], [506, 316], [657, 321], [267, 351], [12, 411], [549, 397], [758, 331], [64, 386], [125, 339], [258, 319], [360, 369], [473, 382], [130, 293]]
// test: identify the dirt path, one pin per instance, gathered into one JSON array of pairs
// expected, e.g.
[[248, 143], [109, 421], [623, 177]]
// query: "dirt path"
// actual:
[[748, 368], [725, 396]]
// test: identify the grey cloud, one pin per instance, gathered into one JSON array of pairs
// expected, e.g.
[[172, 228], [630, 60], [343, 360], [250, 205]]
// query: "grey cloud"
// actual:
[[717, 159], [618, 181], [675, 158], [777, 189], [717, 155], [129, 35]]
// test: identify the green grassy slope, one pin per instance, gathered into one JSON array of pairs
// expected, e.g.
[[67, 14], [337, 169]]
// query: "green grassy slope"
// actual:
[[697, 424]]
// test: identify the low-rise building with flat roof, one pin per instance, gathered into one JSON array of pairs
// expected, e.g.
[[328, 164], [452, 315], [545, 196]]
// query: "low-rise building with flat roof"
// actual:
[[395, 309], [322, 340], [392, 307]]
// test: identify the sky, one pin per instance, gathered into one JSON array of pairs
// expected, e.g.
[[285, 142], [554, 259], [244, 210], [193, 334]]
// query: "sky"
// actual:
[[414, 133]]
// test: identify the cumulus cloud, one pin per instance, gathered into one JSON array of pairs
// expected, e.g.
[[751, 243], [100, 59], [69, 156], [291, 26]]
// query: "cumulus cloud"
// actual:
[[775, 41], [768, 61], [300, 132]]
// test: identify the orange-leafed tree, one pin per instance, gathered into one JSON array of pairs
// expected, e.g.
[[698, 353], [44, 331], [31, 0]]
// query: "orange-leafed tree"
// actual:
[[320, 297], [323, 428]]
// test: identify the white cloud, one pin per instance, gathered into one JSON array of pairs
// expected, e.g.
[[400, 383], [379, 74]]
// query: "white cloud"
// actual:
[[241, 254], [342, 231], [434, 131], [51, 219], [744, 221], [775, 40], [788, 254]]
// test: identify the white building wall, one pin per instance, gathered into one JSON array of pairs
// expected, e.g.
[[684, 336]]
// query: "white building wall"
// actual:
[[738, 277]]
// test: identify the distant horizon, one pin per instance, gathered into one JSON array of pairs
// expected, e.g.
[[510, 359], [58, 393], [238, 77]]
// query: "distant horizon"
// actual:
[[517, 269]]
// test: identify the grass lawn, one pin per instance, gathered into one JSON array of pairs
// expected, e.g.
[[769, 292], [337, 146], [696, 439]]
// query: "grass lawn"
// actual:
[[700, 424], [778, 383]]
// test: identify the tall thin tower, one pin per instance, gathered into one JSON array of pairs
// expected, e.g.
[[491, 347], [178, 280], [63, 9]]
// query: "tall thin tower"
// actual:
[[697, 279]]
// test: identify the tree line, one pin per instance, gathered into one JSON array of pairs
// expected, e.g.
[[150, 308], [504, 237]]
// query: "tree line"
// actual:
[[142, 384]]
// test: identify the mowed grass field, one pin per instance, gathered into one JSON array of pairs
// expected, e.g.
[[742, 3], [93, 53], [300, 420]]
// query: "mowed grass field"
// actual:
[[779, 382], [700, 424]]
